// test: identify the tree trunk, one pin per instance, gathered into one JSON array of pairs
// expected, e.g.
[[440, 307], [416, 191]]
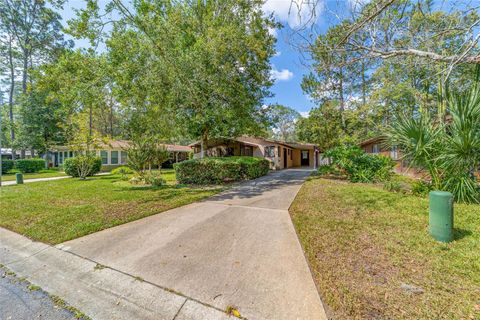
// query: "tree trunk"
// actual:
[[364, 85], [25, 71], [90, 122], [11, 93], [342, 98], [203, 144]]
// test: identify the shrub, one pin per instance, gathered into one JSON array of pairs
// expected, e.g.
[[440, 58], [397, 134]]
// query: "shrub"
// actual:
[[123, 172], [154, 178], [218, 170], [326, 169], [82, 166], [359, 166], [393, 186], [7, 165], [421, 188], [30, 165]]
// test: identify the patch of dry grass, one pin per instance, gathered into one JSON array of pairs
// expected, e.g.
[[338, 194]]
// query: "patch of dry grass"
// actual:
[[367, 246]]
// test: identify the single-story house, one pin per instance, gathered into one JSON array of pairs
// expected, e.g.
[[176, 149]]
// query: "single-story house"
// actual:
[[115, 154], [376, 145], [281, 154], [6, 154]]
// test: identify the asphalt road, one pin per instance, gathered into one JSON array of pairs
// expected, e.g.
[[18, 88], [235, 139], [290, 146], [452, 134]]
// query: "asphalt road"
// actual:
[[19, 302]]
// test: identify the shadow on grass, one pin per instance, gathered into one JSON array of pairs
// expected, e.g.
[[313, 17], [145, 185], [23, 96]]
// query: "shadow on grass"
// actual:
[[461, 233]]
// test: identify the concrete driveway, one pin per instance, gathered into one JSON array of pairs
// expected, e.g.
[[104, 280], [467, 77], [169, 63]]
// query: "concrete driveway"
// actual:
[[236, 249]]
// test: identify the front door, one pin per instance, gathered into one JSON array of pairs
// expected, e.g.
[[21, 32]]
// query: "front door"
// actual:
[[284, 158], [305, 160]]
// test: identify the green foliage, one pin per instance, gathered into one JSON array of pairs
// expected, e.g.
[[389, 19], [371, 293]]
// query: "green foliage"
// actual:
[[154, 178], [421, 188], [144, 153], [7, 165], [448, 146], [30, 165], [359, 166], [283, 121], [82, 166], [326, 169], [123, 172], [219, 170]]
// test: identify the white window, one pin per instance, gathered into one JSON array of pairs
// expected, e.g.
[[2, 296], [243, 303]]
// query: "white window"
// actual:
[[123, 157], [270, 152], [394, 153], [114, 157], [104, 156], [375, 149]]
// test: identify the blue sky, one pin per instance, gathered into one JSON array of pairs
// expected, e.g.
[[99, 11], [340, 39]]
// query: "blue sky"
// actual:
[[287, 66]]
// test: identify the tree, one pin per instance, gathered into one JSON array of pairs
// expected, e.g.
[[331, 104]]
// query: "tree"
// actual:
[[283, 122], [30, 32], [446, 146], [203, 64], [323, 126]]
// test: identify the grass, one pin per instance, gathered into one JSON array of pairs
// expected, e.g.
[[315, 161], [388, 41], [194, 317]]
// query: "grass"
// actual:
[[50, 173], [365, 245], [60, 210]]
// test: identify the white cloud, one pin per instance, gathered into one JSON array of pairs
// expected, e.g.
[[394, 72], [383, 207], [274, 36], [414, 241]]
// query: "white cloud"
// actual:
[[277, 54], [296, 13], [281, 75]]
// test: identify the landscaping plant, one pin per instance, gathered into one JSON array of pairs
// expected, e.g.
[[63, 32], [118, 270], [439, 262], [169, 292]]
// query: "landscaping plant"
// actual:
[[30, 165], [7, 165], [123, 172], [447, 146], [356, 165], [218, 170], [82, 166]]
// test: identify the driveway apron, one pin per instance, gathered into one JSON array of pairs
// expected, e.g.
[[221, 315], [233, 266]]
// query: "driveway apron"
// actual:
[[237, 249]]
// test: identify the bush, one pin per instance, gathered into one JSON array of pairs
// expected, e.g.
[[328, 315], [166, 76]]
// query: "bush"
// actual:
[[219, 170], [7, 165], [123, 172], [326, 169], [421, 188], [154, 178], [30, 165], [359, 166], [82, 166]]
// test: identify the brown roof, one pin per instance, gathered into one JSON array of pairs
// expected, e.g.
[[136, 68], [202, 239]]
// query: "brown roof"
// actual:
[[254, 141], [376, 139]]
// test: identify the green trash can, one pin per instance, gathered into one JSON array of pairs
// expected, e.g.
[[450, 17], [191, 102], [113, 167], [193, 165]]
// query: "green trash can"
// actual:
[[441, 216], [19, 178]]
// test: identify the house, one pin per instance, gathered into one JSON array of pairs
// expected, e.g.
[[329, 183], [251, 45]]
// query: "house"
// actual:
[[6, 154], [281, 154], [377, 145], [114, 154]]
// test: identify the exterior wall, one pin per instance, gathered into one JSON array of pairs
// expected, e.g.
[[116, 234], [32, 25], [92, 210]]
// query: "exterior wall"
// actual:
[[293, 154], [108, 165]]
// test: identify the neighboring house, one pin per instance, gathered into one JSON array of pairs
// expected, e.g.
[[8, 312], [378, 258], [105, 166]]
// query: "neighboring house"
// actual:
[[281, 154], [114, 154], [376, 145], [6, 154]]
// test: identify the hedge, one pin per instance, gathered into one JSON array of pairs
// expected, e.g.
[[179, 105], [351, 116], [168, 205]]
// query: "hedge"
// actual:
[[7, 165], [218, 170], [30, 165], [70, 166]]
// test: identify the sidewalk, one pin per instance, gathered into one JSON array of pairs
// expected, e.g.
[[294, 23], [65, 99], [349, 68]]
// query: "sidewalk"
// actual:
[[100, 292]]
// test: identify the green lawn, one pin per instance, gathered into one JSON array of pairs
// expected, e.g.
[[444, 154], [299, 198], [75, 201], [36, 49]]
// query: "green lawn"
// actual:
[[364, 243], [42, 174], [60, 210]]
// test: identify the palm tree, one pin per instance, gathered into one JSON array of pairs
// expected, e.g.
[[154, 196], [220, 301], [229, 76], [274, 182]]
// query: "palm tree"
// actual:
[[447, 147]]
